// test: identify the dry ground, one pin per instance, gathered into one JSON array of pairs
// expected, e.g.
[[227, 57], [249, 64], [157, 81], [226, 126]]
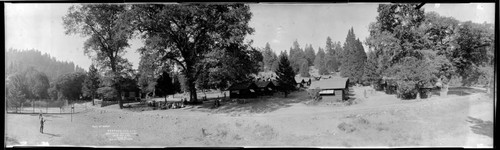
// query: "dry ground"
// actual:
[[380, 120]]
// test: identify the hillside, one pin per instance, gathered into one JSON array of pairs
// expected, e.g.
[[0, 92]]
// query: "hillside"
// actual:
[[20, 60]]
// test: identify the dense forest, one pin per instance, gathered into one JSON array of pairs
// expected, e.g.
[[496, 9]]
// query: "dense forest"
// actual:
[[20, 60]]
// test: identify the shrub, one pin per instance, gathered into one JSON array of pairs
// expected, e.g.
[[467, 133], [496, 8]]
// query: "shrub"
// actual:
[[346, 127], [407, 90]]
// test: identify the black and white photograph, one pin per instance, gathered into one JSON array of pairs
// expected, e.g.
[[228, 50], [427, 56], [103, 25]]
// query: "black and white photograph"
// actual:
[[326, 75]]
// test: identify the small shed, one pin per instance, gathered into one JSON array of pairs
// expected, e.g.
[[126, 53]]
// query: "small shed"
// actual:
[[265, 87], [334, 89], [243, 90], [132, 94]]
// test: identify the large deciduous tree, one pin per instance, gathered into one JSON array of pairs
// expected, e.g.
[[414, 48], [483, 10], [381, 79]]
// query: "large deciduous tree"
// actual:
[[108, 30], [37, 83], [16, 89], [184, 34], [70, 85]]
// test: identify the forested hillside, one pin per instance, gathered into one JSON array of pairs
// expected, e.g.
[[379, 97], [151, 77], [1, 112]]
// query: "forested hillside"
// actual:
[[17, 61]]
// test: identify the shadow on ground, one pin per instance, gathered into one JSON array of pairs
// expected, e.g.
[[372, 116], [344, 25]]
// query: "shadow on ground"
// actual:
[[47, 115], [262, 104], [481, 127], [54, 135], [11, 141]]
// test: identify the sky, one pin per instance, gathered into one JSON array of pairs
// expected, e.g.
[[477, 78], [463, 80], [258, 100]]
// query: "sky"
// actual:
[[39, 26]]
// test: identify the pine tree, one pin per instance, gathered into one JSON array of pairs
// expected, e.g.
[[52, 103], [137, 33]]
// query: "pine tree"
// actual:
[[354, 58], [285, 74], [310, 55], [304, 68], [319, 62]]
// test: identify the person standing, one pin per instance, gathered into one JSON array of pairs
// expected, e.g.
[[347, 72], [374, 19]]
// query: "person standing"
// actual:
[[42, 121]]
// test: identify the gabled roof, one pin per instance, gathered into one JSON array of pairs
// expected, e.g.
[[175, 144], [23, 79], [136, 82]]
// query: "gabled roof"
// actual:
[[301, 79], [242, 86], [262, 84], [333, 83]]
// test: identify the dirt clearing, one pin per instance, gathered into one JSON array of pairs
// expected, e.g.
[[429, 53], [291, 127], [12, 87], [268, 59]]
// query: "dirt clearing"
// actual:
[[379, 120]]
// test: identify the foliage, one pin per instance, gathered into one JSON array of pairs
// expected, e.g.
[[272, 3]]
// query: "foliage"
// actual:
[[371, 72], [37, 83], [70, 85], [18, 61], [411, 74], [296, 55], [269, 58], [304, 68], [319, 62], [16, 89], [91, 83], [285, 74], [108, 29], [107, 93], [353, 59], [473, 43], [186, 33], [310, 55], [150, 68], [331, 57]]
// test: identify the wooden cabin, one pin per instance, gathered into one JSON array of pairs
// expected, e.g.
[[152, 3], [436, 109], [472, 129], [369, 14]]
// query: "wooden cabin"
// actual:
[[334, 89], [265, 87], [243, 90]]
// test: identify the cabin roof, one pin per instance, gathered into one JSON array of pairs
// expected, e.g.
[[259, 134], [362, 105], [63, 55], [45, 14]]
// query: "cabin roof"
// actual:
[[262, 84], [333, 83], [242, 86]]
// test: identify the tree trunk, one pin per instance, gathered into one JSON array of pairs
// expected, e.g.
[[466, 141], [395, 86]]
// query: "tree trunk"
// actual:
[[120, 100], [191, 79], [192, 93], [116, 84], [444, 90]]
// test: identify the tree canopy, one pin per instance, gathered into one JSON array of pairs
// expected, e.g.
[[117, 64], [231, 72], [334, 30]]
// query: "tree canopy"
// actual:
[[108, 29], [194, 36], [353, 59]]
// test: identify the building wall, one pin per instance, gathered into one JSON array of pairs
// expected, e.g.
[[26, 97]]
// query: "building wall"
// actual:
[[333, 98]]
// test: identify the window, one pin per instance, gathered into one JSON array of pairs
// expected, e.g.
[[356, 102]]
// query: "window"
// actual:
[[327, 92]]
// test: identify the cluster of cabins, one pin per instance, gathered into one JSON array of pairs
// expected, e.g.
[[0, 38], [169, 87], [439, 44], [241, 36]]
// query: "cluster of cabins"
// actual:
[[260, 88], [331, 89]]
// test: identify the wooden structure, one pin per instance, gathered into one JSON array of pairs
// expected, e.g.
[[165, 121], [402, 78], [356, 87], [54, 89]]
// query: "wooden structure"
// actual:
[[243, 90], [334, 89], [131, 94], [265, 87]]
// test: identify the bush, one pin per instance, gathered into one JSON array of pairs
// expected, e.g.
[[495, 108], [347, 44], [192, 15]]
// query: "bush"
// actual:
[[314, 94], [407, 90]]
